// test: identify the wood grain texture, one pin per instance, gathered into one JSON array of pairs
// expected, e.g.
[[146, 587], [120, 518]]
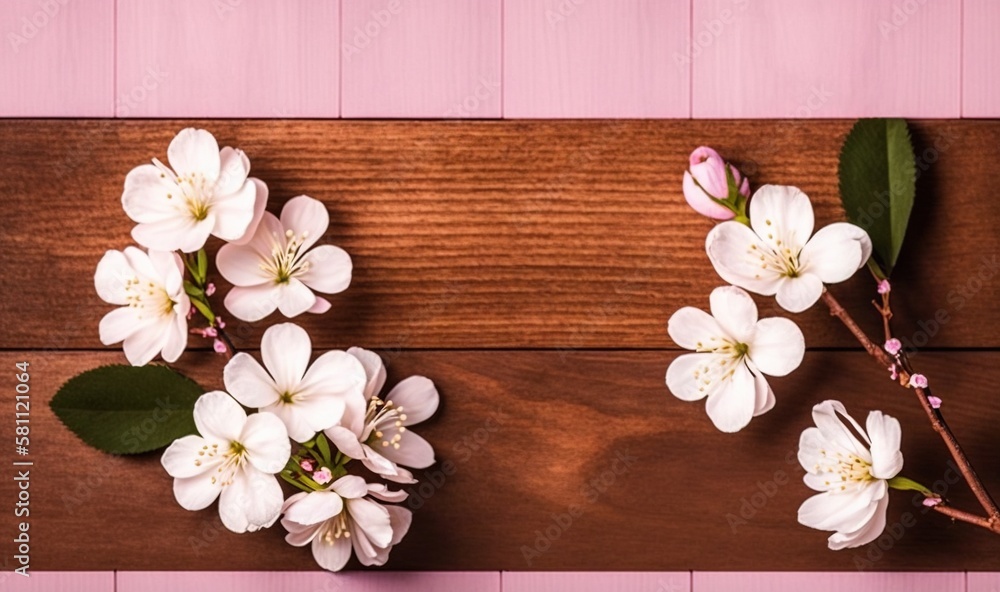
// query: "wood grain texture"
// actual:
[[826, 582], [61, 581], [855, 58], [421, 58], [596, 58], [596, 581], [980, 46], [307, 581], [560, 235], [228, 58], [57, 58], [527, 440]]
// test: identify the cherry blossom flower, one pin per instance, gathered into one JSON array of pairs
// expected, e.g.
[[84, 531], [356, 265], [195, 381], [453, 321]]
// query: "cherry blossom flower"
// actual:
[[851, 475], [376, 431], [346, 516], [235, 458], [153, 315], [277, 269], [706, 183], [306, 400], [206, 192], [775, 254], [734, 352]]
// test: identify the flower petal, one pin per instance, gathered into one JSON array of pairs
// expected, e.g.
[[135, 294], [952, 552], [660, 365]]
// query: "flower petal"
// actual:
[[374, 370], [735, 312], [735, 252], [684, 375], [142, 345], [417, 397], [266, 441], [294, 298], [413, 451], [799, 293], [885, 434], [234, 166], [196, 493], [864, 535], [306, 216], [335, 373], [248, 382], [844, 511], [252, 501], [345, 440], [286, 349], [179, 458], [836, 252], [315, 507], [372, 519], [329, 269], [181, 233], [299, 535], [764, 401], [382, 492], [332, 556], [260, 202], [111, 278], [827, 417], [119, 324], [177, 337], [350, 487], [777, 346], [702, 203], [320, 306], [781, 213], [252, 303], [295, 420], [218, 417], [692, 328], [379, 464], [151, 196], [731, 407], [195, 152], [234, 212]]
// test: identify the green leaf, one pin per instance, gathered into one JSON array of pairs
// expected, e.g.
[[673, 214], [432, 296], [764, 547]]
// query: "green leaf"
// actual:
[[878, 183], [904, 484], [204, 310], [202, 266], [128, 409], [324, 448]]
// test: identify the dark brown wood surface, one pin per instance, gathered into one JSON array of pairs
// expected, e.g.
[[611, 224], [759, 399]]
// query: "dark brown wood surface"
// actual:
[[529, 269]]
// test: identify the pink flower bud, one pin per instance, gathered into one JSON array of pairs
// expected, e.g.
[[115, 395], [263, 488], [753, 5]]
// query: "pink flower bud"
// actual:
[[918, 381], [219, 346], [708, 170], [893, 346], [190, 313], [884, 287], [893, 373], [209, 289], [934, 401], [930, 502], [307, 464], [219, 322], [322, 476]]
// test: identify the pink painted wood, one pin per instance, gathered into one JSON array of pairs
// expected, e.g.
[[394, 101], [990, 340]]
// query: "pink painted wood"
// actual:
[[427, 58], [980, 70], [354, 581], [828, 582], [852, 58], [228, 58], [59, 581], [596, 581], [57, 58], [596, 58], [983, 582]]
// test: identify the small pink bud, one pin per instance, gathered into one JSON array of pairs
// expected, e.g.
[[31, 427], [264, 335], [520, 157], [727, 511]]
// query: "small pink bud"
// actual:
[[705, 179], [893, 346], [884, 287], [209, 289], [918, 381], [307, 464], [893, 374], [934, 401], [220, 323], [322, 476], [219, 346], [930, 502], [191, 312]]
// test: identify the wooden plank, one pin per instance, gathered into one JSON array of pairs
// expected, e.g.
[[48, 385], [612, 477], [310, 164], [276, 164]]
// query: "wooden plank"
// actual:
[[58, 58], [63, 581], [498, 234], [528, 444], [596, 581], [855, 58], [228, 58], [829, 582], [427, 58], [222, 581], [980, 46], [596, 58], [983, 582]]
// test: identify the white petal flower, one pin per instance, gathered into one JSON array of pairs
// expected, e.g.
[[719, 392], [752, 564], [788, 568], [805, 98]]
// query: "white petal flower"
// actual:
[[153, 315], [734, 352], [206, 192], [235, 457], [852, 475], [345, 516], [775, 255], [306, 401], [277, 270], [376, 432]]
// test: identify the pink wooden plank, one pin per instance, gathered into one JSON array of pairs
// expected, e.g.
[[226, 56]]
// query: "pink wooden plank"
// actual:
[[59, 581], [427, 58], [827, 582], [980, 69], [596, 581], [353, 581], [983, 582], [228, 58], [596, 58], [850, 58], [57, 58]]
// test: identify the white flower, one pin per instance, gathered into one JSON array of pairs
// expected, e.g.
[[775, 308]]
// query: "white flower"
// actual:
[[306, 401], [342, 516], [735, 351], [375, 432], [276, 269], [153, 315], [775, 254], [852, 475], [236, 457], [206, 193]]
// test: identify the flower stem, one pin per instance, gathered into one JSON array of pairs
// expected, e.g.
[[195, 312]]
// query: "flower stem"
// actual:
[[992, 522]]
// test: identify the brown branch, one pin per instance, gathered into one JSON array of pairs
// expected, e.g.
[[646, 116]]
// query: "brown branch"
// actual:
[[956, 514]]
